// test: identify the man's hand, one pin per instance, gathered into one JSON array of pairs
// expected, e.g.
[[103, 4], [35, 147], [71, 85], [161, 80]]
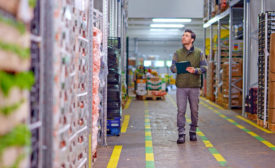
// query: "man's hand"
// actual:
[[190, 69]]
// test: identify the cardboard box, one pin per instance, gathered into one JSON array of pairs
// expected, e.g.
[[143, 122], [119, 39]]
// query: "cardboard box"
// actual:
[[237, 69], [272, 76], [141, 81], [271, 116], [272, 54], [239, 84], [271, 95]]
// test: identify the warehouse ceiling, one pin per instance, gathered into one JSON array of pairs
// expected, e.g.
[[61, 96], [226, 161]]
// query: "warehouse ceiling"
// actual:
[[161, 42], [141, 13]]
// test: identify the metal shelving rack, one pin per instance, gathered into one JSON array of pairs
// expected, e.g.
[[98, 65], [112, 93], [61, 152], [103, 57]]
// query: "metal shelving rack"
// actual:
[[219, 20], [35, 122], [100, 21], [266, 28], [66, 83]]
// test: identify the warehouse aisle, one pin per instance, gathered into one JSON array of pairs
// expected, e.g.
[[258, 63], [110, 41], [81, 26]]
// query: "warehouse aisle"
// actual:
[[223, 140]]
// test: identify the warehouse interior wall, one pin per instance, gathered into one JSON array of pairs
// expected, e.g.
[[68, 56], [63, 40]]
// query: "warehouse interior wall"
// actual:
[[175, 8]]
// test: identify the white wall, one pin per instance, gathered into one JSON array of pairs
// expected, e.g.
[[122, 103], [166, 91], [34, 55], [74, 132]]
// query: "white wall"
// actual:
[[165, 8]]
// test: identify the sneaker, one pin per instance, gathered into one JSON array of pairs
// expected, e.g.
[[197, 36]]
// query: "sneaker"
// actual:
[[181, 139], [193, 136]]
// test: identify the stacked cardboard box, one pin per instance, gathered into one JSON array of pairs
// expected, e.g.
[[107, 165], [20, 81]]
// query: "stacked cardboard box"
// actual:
[[236, 84], [210, 81], [271, 95], [141, 87]]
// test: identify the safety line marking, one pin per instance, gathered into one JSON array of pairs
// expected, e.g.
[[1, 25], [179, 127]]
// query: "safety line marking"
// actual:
[[253, 124], [219, 158], [262, 140], [149, 154], [125, 123], [115, 157], [127, 105], [213, 104]]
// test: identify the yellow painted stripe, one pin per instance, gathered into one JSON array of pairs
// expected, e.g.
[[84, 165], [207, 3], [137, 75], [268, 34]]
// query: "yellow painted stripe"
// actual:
[[211, 108], [148, 134], [219, 158], [147, 120], [208, 101], [223, 116], [268, 144], [115, 157], [208, 144], [125, 123], [230, 120], [200, 134], [252, 134], [148, 144], [216, 111], [90, 150], [147, 126], [149, 157], [128, 103], [240, 126], [253, 124]]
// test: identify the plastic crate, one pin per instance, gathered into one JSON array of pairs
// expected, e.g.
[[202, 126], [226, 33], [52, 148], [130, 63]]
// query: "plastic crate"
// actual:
[[114, 126]]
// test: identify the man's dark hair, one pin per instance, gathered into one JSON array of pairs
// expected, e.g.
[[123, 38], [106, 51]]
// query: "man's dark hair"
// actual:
[[193, 35]]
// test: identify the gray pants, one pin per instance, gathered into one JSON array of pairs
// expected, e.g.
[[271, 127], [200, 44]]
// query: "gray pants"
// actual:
[[192, 94]]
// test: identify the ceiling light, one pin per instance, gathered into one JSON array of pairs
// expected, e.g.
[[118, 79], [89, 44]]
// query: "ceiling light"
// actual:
[[164, 30], [147, 63], [167, 25], [172, 20]]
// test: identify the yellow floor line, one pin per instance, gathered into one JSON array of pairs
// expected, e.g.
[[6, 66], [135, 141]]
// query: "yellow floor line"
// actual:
[[219, 158], [128, 103], [125, 123], [253, 124], [208, 101], [115, 157]]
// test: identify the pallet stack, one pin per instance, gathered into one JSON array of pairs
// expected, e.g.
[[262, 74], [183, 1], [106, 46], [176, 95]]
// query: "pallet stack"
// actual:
[[15, 82], [236, 84], [266, 28], [271, 96], [210, 81]]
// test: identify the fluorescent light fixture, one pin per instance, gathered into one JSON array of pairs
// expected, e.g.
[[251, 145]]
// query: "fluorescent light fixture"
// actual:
[[147, 63], [164, 30], [163, 20], [167, 25], [168, 63], [159, 63]]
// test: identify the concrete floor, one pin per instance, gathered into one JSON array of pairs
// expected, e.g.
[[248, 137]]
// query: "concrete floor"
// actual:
[[237, 147]]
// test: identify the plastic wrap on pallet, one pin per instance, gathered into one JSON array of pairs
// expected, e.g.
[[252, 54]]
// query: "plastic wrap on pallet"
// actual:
[[97, 54], [15, 83]]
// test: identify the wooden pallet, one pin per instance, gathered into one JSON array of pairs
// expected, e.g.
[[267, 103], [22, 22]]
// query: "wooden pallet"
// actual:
[[150, 97], [271, 127], [252, 117], [261, 123]]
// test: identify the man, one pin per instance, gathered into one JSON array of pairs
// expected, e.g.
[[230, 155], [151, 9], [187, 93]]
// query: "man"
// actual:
[[188, 84]]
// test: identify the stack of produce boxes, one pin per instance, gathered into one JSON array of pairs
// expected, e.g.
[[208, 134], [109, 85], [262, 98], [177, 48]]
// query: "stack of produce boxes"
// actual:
[[210, 81], [15, 82]]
